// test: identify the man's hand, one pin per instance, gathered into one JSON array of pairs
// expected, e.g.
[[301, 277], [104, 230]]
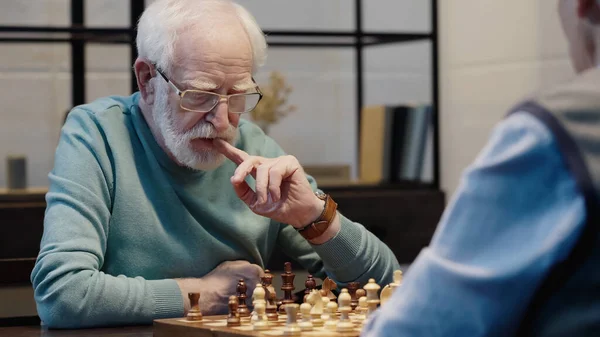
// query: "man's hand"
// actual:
[[282, 190], [216, 286]]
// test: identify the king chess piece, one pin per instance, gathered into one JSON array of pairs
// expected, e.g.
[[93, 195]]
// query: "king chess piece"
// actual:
[[270, 296], [287, 286], [194, 313], [241, 289], [233, 319]]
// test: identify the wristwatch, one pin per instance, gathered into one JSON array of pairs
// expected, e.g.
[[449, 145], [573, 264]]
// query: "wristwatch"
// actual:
[[320, 225]]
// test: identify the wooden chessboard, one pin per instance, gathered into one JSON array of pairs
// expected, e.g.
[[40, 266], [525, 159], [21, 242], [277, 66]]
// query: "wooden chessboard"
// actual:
[[216, 326]]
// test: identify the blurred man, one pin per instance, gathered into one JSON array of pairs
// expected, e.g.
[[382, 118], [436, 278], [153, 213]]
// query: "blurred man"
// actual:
[[517, 250], [168, 191]]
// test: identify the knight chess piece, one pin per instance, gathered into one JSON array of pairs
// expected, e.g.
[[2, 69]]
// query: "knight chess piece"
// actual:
[[389, 289], [194, 313], [241, 289], [287, 286], [233, 319]]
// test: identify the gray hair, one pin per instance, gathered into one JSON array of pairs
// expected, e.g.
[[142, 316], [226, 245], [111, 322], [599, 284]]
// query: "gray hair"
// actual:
[[160, 24]]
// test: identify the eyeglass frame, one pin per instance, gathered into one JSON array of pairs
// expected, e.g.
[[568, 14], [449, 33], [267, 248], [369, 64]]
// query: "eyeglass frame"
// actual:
[[181, 93]]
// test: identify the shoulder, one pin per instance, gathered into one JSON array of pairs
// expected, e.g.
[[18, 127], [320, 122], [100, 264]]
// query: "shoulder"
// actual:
[[104, 109], [253, 140]]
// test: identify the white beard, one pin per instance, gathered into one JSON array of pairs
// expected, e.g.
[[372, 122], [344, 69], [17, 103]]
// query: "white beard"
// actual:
[[179, 142]]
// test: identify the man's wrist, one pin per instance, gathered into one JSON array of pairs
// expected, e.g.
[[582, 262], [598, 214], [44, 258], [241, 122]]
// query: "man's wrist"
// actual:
[[314, 212]]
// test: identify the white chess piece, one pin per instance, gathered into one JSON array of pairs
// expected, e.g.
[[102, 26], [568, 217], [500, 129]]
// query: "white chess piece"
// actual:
[[331, 323], [361, 310], [291, 325], [372, 299], [388, 290], [315, 300], [344, 300], [305, 324], [259, 316]]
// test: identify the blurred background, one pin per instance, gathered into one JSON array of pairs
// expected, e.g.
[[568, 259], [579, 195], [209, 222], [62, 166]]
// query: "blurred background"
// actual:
[[391, 97]]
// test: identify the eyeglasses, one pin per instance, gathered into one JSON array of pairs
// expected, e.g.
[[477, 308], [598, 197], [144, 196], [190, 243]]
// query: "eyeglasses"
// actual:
[[204, 101]]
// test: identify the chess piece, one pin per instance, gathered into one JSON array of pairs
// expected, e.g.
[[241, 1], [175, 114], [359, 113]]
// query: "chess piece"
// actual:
[[309, 285], [327, 287], [270, 296], [362, 308], [292, 328], [233, 319], [258, 297], [331, 322], [388, 290], [372, 289], [316, 302], [259, 321], [306, 324], [194, 313], [287, 286], [344, 302], [241, 295], [352, 287]]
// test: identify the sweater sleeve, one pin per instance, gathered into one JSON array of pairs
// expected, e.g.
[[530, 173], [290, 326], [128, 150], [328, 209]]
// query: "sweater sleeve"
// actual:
[[354, 254], [70, 288]]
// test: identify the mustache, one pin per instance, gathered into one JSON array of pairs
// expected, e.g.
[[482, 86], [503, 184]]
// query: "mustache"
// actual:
[[207, 130]]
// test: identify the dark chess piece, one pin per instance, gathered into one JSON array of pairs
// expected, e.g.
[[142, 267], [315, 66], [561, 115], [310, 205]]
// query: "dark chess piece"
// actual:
[[309, 285], [352, 287], [270, 296], [241, 295], [194, 314], [287, 286], [233, 319]]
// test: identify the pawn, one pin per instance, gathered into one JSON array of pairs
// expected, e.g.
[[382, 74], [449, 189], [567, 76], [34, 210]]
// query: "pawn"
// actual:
[[233, 319], [331, 323], [291, 325], [259, 321], [306, 324], [362, 308], [258, 297], [344, 302], [194, 314]]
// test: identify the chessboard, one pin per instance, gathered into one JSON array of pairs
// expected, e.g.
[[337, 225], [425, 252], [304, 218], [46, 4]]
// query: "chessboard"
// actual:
[[216, 326], [319, 313]]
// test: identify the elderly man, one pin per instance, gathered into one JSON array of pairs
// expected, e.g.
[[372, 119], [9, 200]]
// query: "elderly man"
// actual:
[[518, 248], [168, 191]]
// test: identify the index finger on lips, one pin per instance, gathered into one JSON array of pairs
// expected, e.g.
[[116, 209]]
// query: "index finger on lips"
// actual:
[[231, 152]]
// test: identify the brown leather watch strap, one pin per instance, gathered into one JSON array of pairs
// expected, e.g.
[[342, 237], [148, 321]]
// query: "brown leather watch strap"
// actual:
[[320, 225]]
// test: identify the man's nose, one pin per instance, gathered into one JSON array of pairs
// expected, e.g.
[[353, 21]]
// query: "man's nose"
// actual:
[[219, 116]]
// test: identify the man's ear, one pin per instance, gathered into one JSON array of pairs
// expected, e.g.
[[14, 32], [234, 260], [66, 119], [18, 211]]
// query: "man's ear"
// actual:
[[144, 71]]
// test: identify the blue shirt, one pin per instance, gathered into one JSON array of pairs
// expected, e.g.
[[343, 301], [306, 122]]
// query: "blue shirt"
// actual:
[[516, 213]]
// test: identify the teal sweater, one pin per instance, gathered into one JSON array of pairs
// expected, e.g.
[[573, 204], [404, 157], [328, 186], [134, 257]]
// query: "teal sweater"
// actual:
[[123, 220]]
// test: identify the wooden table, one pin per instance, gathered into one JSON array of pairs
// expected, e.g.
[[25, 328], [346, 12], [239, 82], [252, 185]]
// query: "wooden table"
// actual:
[[35, 331]]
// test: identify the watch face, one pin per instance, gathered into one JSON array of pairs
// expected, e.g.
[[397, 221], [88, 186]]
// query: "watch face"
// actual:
[[320, 194]]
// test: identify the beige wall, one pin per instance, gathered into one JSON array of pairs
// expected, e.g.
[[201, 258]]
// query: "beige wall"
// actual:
[[492, 53]]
